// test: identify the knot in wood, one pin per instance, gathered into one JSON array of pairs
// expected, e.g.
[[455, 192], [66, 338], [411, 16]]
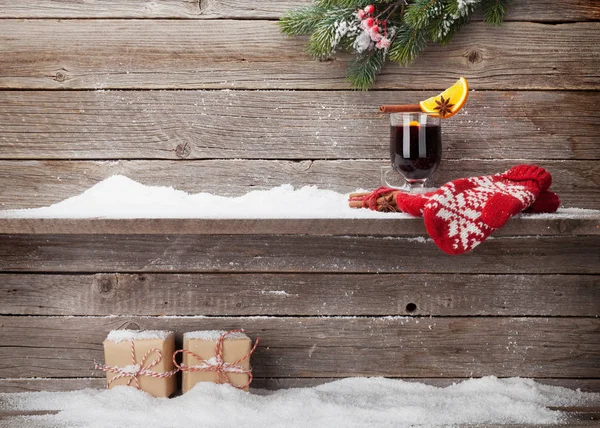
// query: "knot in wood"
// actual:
[[474, 56], [105, 285], [130, 325], [183, 150], [60, 76]]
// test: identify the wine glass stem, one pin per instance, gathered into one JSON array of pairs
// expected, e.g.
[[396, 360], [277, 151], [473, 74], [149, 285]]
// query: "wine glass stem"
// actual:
[[416, 186]]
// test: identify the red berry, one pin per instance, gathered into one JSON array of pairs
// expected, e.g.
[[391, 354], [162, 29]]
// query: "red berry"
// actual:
[[369, 22], [375, 28], [369, 9]]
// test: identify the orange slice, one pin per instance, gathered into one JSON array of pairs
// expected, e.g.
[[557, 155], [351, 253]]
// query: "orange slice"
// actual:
[[414, 123], [449, 102]]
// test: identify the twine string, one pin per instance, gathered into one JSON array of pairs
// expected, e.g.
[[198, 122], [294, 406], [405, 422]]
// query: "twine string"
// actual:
[[217, 364], [135, 370]]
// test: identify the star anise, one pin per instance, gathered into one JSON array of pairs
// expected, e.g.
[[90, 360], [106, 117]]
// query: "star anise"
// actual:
[[387, 204], [443, 106]]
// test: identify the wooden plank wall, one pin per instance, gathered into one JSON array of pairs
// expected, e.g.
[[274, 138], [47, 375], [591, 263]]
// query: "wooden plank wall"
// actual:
[[208, 96]]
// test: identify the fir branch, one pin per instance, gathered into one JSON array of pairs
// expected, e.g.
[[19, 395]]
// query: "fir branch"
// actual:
[[356, 4], [333, 25], [445, 26], [364, 68], [421, 12], [495, 10], [443, 33], [304, 20], [322, 43], [407, 45]]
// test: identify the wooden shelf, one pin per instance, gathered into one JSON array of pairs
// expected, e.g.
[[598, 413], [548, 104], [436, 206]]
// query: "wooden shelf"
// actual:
[[523, 226]]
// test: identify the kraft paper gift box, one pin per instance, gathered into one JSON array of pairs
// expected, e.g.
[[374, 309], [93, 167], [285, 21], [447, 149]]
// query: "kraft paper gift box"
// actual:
[[152, 371], [200, 358]]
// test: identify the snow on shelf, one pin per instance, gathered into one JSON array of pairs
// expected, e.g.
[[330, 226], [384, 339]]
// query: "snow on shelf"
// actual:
[[213, 335], [119, 197], [350, 403], [122, 335]]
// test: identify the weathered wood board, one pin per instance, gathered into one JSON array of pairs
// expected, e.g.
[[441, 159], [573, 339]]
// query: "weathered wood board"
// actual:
[[299, 294], [31, 184], [540, 10], [331, 347], [285, 125], [143, 54], [562, 223], [324, 295], [292, 253]]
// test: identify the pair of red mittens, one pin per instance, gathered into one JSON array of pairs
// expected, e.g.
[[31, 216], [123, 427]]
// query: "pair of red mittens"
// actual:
[[463, 213]]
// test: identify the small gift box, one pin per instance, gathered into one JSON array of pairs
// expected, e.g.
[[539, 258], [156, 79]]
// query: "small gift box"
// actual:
[[216, 356], [141, 359]]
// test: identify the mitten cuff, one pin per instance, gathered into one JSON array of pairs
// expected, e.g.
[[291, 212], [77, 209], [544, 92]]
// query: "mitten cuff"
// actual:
[[530, 173], [411, 203]]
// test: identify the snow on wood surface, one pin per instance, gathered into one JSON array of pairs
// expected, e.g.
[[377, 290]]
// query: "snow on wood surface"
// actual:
[[213, 335], [351, 402], [119, 197], [122, 335]]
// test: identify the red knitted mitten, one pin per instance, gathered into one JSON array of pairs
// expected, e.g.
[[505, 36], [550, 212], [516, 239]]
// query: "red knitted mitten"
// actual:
[[414, 203], [546, 202], [463, 213]]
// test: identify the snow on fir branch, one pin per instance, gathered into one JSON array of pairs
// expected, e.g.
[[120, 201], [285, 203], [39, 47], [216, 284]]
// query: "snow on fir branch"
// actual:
[[381, 30]]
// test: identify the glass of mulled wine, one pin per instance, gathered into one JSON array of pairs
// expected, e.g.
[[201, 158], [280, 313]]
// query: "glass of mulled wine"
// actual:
[[415, 148]]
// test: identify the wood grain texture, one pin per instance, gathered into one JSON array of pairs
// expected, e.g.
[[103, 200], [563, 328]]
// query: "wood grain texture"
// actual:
[[32, 184], [285, 125], [292, 253], [523, 225], [71, 384], [94, 54], [295, 294], [540, 10], [330, 347], [105, 9]]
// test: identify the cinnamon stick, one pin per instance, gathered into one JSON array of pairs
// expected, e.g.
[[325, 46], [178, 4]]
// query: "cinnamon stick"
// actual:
[[399, 108]]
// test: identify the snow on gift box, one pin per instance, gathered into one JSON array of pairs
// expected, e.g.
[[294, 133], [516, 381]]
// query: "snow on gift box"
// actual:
[[216, 356], [141, 359]]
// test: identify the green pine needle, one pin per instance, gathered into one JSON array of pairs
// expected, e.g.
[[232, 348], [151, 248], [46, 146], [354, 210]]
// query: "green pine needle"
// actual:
[[320, 44], [421, 12], [356, 4], [364, 68], [495, 10], [407, 45], [301, 21]]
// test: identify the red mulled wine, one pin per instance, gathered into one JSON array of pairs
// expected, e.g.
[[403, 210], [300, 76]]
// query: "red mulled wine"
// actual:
[[416, 149]]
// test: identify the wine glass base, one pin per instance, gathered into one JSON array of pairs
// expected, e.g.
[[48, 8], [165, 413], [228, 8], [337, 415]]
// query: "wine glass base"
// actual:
[[392, 179]]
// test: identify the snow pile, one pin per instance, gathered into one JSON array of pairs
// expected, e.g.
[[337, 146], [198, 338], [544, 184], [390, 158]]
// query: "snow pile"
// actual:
[[121, 335], [353, 402], [121, 197]]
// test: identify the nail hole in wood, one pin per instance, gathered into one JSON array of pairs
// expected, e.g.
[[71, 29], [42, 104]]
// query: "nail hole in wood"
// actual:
[[411, 307]]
